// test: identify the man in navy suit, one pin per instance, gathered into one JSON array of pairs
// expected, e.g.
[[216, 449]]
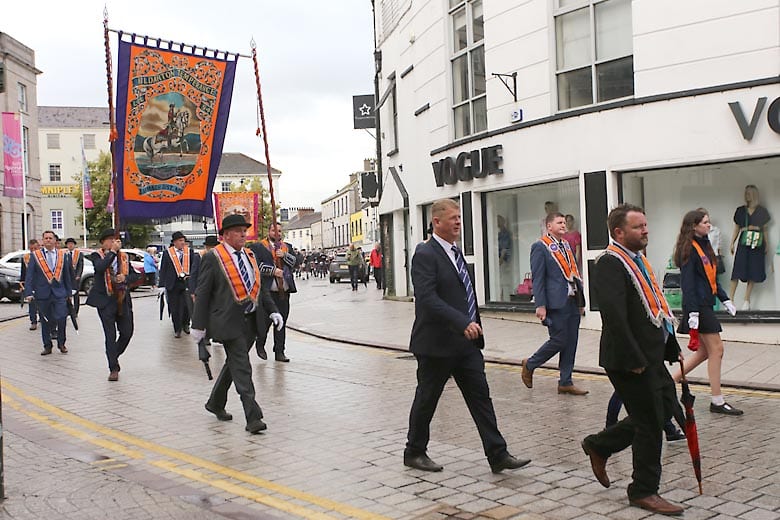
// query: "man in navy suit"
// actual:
[[559, 303], [48, 282], [446, 341], [179, 262]]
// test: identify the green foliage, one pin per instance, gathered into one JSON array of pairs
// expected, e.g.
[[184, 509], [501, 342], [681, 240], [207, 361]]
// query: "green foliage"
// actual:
[[98, 218]]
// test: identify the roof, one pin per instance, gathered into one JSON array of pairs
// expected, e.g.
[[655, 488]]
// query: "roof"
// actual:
[[304, 221], [239, 164], [73, 117]]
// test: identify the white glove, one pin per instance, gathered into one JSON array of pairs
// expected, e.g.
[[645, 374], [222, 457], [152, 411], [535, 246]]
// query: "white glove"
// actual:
[[161, 291], [730, 307], [73, 292], [197, 334], [277, 319], [693, 320]]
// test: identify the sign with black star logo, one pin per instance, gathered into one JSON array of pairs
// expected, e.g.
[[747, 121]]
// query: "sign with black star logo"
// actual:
[[363, 111]]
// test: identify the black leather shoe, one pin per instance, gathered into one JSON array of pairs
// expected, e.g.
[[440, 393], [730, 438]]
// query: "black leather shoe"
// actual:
[[421, 462], [222, 415], [46, 351], [256, 426], [282, 358], [508, 462], [262, 353], [725, 409], [177, 335]]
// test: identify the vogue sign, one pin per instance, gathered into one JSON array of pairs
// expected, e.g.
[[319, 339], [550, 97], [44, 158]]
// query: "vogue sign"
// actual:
[[468, 165], [748, 128]]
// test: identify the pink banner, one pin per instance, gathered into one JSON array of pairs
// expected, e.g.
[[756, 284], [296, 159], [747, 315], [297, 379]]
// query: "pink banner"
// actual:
[[13, 155], [86, 187], [110, 203]]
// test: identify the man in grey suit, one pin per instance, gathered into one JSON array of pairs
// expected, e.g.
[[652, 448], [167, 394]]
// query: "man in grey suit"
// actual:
[[559, 303], [228, 299]]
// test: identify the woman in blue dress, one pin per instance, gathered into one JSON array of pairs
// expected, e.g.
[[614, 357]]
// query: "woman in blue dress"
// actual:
[[749, 239]]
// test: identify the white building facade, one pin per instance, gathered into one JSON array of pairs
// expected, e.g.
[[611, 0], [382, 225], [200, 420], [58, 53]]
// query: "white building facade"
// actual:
[[336, 216], [584, 104]]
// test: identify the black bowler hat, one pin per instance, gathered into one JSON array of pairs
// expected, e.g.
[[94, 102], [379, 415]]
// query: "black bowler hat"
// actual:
[[70, 240], [211, 241], [232, 221], [110, 232], [177, 235]]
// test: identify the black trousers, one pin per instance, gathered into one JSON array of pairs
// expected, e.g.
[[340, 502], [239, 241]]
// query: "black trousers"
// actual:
[[113, 323], [283, 304], [378, 277], [650, 400], [469, 374], [238, 370], [180, 313]]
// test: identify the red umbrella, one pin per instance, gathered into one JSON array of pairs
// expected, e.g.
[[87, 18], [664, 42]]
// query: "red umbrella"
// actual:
[[691, 435]]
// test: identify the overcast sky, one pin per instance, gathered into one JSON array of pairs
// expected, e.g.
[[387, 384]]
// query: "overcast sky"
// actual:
[[313, 56]]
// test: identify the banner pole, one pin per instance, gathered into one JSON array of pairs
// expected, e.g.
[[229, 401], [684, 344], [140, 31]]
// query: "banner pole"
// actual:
[[25, 232], [83, 192], [265, 135], [112, 136]]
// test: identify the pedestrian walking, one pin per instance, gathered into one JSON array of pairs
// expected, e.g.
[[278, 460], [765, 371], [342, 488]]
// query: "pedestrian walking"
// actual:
[[177, 265], [76, 260], [150, 266], [636, 338], [356, 263], [110, 295], [447, 340], [698, 265], [277, 263], [559, 300], [48, 282], [375, 260], [228, 299], [32, 309]]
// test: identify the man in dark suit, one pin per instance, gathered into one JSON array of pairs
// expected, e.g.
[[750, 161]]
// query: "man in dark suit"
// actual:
[[32, 309], [559, 303], [636, 337], [48, 282], [277, 264], [178, 264], [446, 341], [228, 301], [76, 260], [110, 295]]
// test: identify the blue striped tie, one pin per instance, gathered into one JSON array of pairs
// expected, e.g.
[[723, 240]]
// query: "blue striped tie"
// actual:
[[464, 277], [245, 278]]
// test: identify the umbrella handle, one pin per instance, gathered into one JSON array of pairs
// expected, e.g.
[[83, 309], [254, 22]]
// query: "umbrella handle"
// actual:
[[682, 368]]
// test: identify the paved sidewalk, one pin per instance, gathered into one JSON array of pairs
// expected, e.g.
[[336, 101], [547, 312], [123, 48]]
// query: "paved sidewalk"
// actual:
[[323, 309]]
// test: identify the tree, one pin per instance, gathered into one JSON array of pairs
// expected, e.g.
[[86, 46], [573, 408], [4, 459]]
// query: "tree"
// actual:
[[264, 200], [98, 218]]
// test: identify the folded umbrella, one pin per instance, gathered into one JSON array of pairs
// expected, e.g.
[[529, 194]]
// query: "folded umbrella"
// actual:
[[691, 434], [161, 299], [72, 313], [204, 355]]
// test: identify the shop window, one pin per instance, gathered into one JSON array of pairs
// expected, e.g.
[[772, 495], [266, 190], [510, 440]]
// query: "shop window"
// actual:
[[515, 220], [594, 52], [55, 173], [469, 99], [666, 195]]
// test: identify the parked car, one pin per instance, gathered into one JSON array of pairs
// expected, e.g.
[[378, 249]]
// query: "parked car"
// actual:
[[13, 261], [136, 257], [339, 269], [10, 287]]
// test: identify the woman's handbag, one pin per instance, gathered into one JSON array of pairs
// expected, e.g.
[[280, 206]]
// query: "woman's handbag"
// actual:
[[721, 266], [526, 287]]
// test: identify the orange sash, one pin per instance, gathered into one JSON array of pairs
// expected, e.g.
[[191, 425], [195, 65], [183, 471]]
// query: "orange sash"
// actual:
[[564, 260], [272, 246], [650, 293], [241, 293], [123, 264], [181, 270], [26, 258], [709, 269], [75, 257], [58, 267]]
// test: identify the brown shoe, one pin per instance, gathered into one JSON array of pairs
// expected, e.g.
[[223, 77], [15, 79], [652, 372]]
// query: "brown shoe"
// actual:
[[63, 349], [113, 376], [571, 389], [597, 463], [526, 375], [656, 504]]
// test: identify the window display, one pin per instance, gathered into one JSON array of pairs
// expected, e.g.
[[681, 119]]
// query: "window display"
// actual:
[[515, 220]]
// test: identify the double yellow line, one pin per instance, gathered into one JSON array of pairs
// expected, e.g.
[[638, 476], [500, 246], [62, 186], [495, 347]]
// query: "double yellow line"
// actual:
[[200, 470]]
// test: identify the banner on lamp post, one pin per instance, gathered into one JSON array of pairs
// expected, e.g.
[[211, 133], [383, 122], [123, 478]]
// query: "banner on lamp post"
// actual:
[[13, 155]]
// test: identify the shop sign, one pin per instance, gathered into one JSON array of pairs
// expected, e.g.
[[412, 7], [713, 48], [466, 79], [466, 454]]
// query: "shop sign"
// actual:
[[748, 129], [466, 166], [59, 190]]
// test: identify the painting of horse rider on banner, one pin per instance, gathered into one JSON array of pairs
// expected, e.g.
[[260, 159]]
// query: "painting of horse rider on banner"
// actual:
[[168, 142]]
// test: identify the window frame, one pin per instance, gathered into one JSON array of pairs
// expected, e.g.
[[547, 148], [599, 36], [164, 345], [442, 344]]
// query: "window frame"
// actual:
[[22, 97], [471, 99], [53, 141], [55, 168], [61, 215], [90, 142]]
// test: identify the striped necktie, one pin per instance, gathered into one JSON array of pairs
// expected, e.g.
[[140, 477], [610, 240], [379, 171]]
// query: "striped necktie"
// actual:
[[464, 277], [245, 278]]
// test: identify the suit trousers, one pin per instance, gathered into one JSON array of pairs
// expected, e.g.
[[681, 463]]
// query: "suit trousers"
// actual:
[[113, 323], [238, 370], [649, 399], [564, 330], [180, 314], [54, 315], [32, 309], [283, 304], [469, 374]]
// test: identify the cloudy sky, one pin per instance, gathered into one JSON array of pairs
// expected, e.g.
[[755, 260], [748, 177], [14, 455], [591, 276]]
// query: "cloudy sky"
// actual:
[[313, 56]]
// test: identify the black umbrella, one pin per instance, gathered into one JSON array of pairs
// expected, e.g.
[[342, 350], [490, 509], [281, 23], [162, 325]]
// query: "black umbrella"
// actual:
[[204, 355], [161, 299], [72, 313]]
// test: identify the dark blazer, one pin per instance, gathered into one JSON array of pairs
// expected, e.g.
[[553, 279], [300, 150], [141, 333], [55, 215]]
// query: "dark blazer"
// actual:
[[168, 278], [78, 269], [629, 339], [440, 305], [696, 290], [265, 260], [35, 283], [551, 289], [98, 295], [216, 311]]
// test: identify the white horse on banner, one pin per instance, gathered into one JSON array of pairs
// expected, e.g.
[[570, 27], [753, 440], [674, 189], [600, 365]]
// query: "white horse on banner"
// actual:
[[174, 138]]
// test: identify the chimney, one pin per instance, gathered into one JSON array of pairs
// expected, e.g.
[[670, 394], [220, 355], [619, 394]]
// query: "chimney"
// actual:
[[368, 165]]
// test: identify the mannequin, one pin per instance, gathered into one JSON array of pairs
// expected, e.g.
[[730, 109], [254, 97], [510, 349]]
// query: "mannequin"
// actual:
[[749, 244]]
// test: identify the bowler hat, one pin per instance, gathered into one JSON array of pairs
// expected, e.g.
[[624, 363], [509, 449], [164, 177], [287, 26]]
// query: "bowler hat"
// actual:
[[70, 240], [211, 241], [110, 232], [232, 221], [177, 235]]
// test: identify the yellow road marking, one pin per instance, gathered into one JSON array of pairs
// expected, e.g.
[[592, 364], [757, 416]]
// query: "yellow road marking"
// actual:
[[327, 504]]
